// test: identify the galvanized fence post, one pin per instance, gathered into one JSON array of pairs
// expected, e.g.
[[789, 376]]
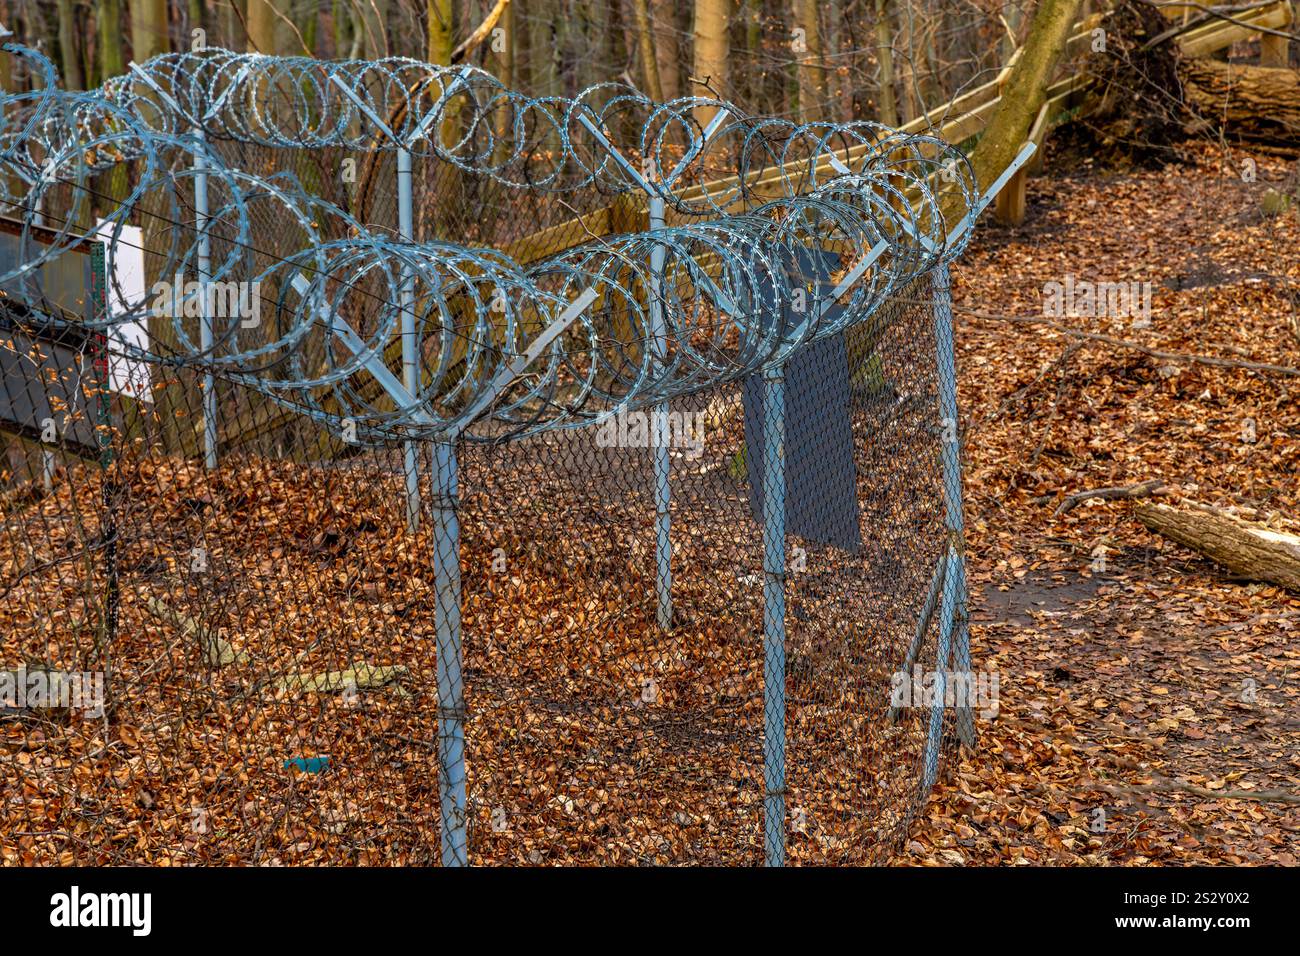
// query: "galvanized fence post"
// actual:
[[204, 254], [774, 615], [47, 456], [410, 343], [450, 650], [660, 431], [656, 219], [953, 606]]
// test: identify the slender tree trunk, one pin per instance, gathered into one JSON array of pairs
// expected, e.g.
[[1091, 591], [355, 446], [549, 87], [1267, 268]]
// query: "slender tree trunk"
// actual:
[[838, 39], [446, 182], [507, 55], [541, 45], [885, 54], [812, 65], [374, 28], [342, 22], [260, 22], [441, 35], [111, 59], [71, 61], [310, 28], [232, 29], [523, 54], [712, 17], [148, 29], [646, 50], [664, 17], [753, 13], [907, 107], [196, 21], [618, 43]]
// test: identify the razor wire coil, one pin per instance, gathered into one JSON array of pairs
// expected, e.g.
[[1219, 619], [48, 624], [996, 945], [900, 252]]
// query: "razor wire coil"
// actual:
[[718, 277]]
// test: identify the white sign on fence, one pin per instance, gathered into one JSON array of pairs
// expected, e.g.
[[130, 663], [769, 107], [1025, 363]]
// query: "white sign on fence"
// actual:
[[124, 263]]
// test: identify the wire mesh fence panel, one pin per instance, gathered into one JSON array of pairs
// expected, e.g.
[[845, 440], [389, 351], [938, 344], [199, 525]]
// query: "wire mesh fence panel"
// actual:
[[269, 688], [471, 489]]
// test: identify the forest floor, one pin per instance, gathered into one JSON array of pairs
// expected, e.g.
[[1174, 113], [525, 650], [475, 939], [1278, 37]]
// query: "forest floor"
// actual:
[[1149, 702]]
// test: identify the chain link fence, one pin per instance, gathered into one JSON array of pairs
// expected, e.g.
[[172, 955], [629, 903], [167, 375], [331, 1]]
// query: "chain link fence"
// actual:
[[709, 619], [264, 635]]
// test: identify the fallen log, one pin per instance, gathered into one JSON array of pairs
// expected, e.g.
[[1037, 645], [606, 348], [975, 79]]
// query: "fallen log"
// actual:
[[1246, 548], [1152, 85], [1256, 101]]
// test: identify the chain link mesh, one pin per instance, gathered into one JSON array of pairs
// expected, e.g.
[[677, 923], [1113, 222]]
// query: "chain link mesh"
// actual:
[[666, 628]]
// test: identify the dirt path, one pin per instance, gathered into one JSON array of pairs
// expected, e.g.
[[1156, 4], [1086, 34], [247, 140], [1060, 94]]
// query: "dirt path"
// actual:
[[1137, 682]]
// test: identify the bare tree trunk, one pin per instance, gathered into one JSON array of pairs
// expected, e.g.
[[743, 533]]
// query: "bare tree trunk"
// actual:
[[374, 27], [506, 58], [446, 182], [885, 54], [260, 22], [310, 29], [663, 15], [194, 14], [646, 50], [907, 108], [441, 32], [542, 63], [232, 29], [712, 18], [839, 40], [111, 60], [506, 52], [148, 29], [812, 65], [71, 62]]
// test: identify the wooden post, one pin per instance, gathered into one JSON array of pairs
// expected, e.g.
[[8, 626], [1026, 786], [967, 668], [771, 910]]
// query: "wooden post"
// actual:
[[1273, 50], [1010, 206]]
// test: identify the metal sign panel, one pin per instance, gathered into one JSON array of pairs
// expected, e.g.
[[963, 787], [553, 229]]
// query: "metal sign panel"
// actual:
[[46, 364], [820, 477]]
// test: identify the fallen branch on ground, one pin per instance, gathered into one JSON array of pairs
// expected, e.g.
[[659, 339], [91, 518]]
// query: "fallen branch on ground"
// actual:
[[1178, 786], [359, 676], [217, 651], [1141, 490]]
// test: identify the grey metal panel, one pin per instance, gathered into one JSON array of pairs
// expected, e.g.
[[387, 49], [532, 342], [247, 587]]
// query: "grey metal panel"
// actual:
[[60, 285], [42, 380], [820, 476]]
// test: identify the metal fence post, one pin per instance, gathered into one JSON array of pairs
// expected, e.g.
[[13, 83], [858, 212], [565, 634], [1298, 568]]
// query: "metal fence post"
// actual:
[[659, 428], [410, 343], [953, 616], [451, 687], [774, 615], [47, 456], [204, 253]]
